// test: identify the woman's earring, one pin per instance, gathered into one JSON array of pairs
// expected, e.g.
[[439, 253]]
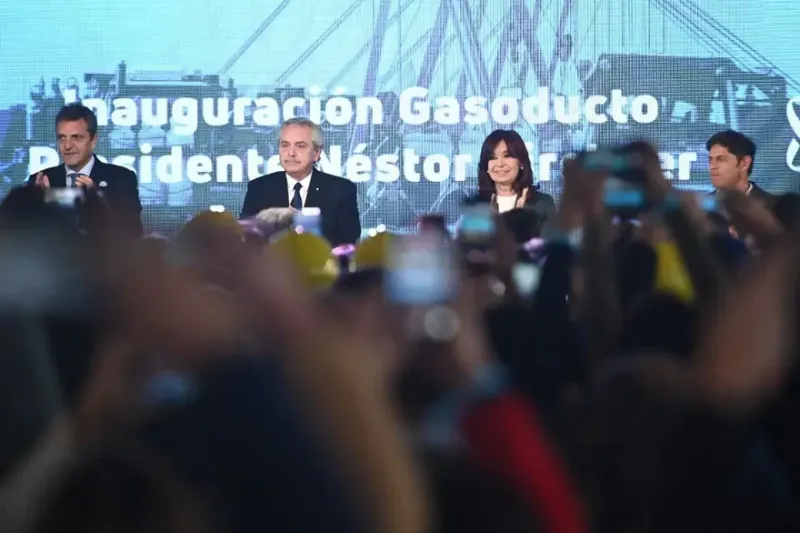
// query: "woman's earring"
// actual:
[[521, 167]]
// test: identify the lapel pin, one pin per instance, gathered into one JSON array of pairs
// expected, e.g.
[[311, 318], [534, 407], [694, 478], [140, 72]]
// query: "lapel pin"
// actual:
[[103, 184]]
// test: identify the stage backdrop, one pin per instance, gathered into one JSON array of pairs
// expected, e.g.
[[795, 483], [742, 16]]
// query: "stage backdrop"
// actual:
[[190, 94]]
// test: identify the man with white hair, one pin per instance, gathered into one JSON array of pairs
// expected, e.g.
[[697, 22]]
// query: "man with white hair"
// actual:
[[301, 185]]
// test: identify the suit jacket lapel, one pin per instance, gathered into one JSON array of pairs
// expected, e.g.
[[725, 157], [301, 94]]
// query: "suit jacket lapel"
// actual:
[[315, 191], [757, 191], [280, 192], [57, 176], [98, 172]]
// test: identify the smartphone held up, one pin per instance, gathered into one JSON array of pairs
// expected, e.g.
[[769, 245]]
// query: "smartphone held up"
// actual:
[[476, 238], [422, 281]]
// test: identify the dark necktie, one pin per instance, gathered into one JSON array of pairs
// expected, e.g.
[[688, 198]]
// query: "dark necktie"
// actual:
[[297, 201], [71, 177]]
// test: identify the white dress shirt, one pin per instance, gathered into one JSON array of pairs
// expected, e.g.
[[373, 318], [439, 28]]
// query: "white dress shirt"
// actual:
[[305, 182], [506, 203], [86, 171]]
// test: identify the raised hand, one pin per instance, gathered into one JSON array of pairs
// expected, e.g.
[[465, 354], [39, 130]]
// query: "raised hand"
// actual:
[[746, 348], [42, 181], [583, 194], [751, 216], [339, 374], [84, 181]]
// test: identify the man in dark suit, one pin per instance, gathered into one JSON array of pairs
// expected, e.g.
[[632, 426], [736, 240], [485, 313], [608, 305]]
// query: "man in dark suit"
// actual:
[[301, 185], [76, 135], [731, 156]]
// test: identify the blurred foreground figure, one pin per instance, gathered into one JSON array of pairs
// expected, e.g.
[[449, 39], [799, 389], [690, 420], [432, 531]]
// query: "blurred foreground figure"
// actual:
[[631, 369]]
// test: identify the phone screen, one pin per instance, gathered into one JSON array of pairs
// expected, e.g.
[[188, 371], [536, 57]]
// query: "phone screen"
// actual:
[[476, 238], [526, 277], [618, 194], [63, 197], [421, 271], [46, 273], [309, 220], [168, 388], [707, 202], [477, 224]]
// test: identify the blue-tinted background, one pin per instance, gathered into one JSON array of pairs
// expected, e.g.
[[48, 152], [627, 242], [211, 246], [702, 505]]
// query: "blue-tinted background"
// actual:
[[708, 65]]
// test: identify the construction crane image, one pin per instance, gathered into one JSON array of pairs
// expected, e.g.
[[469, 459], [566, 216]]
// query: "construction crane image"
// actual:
[[463, 48], [732, 86]]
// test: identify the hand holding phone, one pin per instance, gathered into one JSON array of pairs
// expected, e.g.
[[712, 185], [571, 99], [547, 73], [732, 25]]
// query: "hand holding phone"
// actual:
[[422, 279], [526, 276], [477, 232], [308, 220], [63, 197], [620, 195], [611, 160], [421, 271]]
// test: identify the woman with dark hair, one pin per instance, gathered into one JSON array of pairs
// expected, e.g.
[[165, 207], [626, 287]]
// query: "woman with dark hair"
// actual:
[[505, 176]]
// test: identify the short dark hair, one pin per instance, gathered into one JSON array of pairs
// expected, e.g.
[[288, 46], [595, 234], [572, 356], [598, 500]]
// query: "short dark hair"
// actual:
[[76, 111], [736, 143]]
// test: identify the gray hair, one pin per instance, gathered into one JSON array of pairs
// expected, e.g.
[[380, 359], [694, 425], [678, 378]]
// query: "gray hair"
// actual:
[[317, 137]]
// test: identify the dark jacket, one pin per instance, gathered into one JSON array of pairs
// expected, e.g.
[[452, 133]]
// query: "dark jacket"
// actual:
[[117, 185], [334, 196], [758, 193], [530, 198]]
